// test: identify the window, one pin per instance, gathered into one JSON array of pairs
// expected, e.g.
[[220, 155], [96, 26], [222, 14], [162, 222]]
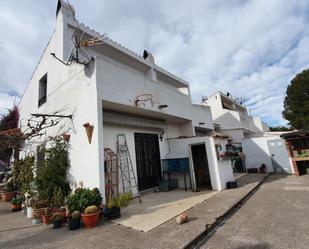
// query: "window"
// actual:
[[43, 90]]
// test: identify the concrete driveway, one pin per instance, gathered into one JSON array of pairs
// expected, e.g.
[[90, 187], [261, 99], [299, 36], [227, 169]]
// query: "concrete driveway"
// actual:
[[276, 216], [16, 230]]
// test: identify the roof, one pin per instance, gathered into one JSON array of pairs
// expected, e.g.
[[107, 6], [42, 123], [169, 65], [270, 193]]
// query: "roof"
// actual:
[[295, 134], [118, 46]]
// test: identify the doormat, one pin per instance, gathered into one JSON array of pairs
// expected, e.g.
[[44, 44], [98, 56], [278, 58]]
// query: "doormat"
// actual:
[[157, 208]]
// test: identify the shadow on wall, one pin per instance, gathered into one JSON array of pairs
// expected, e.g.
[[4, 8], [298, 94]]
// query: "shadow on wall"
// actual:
[[229, 120], [255, 156]]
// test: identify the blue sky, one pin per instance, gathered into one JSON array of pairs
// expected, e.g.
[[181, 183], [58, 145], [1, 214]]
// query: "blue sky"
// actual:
[[251, 49]]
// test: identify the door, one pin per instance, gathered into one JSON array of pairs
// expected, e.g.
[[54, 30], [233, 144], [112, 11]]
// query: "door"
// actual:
[[200, 164], [279, 156], [148, 161]]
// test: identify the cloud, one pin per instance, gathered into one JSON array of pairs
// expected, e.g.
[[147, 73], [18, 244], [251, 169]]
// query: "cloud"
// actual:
[[251, 49]]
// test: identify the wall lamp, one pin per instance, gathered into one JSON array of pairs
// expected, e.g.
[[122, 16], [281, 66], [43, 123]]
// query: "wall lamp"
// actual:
[[201, 123], [163, 106]]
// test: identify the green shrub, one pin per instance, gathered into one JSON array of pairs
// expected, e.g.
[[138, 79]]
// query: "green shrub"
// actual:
[[52, 170], [112, 202], [125, 199], [84, 197], [122, 201], [17, 200]]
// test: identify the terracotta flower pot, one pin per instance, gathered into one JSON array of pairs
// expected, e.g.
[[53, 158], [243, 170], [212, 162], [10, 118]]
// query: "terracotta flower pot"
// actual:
[[90, 220], [7, 196], [45, 218], [15, 207]]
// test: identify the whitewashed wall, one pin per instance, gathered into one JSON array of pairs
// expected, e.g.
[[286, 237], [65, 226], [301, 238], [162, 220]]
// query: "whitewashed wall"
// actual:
[[181, 148], [73, 89], [202, 114], [257, 152], [236, 135], [225, 172]]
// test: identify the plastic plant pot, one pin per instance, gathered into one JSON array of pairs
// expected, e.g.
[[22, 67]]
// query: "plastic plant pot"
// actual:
[[29, 212], [112, 213], [74, 224], [57, 224]]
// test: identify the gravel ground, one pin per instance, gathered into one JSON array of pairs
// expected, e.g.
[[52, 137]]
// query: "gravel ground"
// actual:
[[17, 232], [276, 216]]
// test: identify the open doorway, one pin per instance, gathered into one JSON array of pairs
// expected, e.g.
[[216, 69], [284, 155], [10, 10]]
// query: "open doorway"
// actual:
[[148, 162], [200, 165]]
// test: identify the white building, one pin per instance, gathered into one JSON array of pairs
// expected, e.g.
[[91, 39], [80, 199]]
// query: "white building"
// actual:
[[84, 73], [233, 118]]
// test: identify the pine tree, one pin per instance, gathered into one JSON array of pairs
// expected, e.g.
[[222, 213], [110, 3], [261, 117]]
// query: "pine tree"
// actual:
[[296, 103]]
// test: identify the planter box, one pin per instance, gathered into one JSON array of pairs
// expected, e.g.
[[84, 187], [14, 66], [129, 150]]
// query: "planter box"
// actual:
[[112, 213]]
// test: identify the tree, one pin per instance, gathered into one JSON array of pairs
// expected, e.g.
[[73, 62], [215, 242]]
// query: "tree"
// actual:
[[7, 122], [10, 120], [52, 168], [296, 102], [280, 128]]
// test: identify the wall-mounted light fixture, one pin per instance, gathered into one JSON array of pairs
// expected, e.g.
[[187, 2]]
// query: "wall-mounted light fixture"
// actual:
[[201, 123], [163, 106]]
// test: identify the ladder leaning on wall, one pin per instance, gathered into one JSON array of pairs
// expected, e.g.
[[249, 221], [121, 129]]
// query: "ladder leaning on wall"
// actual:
[[129, 181]]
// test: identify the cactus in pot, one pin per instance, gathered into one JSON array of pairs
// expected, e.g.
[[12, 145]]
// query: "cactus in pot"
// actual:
[[74, 222], [90, 216]]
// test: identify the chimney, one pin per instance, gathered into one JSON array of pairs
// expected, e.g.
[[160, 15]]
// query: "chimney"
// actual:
[[148, 56]]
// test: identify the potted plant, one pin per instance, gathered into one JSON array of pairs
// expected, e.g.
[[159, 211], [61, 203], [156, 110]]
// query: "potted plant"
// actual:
[[82, 198], [112, 209], [113, 205], [86, 201], [74, 221], [37, 209], [46, 214], [57, 200], [16, 203], [36, 218], [90, 216], [9, 191]]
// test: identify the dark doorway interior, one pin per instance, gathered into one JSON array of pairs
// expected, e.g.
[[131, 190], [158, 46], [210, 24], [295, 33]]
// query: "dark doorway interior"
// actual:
[[148, 161], [200, 163]]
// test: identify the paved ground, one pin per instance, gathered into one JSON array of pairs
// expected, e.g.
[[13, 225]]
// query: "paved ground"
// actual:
[[276, 216], [16, 231]]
